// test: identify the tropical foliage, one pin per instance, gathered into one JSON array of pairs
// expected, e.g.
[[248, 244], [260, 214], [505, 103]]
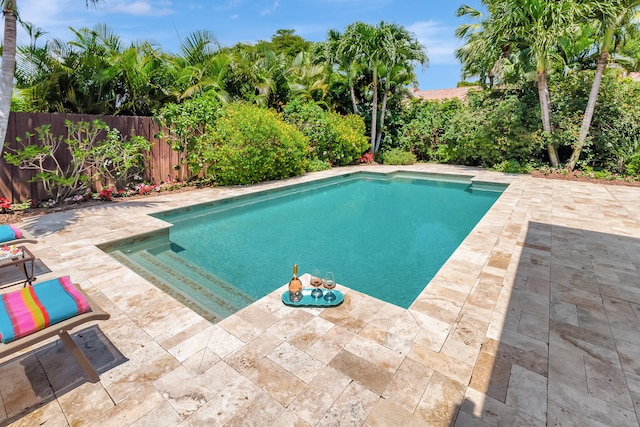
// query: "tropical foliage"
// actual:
[[333, 138], [96, 73], [10, 12], [382, 57], [396, 156], [190, 126], [501, 129], [252, 144], [516, 38], [552, 74]]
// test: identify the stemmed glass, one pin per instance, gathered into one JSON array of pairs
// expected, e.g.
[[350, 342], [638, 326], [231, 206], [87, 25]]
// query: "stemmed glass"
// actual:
[[316, 282], [329, 283]]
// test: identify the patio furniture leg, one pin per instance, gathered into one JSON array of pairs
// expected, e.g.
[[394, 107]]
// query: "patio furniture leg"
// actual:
[[82, 360]]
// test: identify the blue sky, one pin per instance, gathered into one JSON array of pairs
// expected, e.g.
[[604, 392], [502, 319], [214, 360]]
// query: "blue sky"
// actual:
[[164, 22]]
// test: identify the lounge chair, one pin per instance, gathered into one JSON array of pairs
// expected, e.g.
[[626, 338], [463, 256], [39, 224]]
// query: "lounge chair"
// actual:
[[33, 314], [12, 235]]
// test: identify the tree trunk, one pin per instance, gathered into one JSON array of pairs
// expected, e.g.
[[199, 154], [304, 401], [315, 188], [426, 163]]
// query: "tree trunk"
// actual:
[[374, 112], [588, 112], [353, 99], [545, 110], [8, 68], [383, 110]]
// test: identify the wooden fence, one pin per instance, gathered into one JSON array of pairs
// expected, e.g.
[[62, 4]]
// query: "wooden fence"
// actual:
[[14, 182]]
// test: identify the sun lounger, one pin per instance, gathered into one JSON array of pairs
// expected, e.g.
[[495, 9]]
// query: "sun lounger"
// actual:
[[33, 314], [12, 235]]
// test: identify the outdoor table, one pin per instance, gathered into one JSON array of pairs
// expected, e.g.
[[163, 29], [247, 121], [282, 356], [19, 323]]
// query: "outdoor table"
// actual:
[[23, 258]]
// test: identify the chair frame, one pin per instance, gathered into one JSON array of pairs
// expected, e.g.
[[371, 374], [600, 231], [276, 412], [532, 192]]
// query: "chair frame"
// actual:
[[18, 241], [61, 329]]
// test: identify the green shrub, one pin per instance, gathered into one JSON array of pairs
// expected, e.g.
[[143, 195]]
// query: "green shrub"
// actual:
[[190, 125], [613, 138], [337, 139], [494, 127], [512, 166], [253, 144], [632, 167], [397, 156], [425, 123], [119, 159], [316, 165], [351, 141]]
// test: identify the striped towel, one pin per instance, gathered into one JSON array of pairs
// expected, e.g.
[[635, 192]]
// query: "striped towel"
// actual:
[[9, 232], [36, 307]]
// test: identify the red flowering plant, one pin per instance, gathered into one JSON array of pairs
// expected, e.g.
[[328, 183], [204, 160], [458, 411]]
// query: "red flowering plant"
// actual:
[[143, 188], [105, 194], [366, 158], [5, 204], [146, 188], [7, 207]]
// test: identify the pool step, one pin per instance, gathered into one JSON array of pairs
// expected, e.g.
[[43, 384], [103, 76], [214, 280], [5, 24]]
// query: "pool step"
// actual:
[[223, 288], [202, 292]]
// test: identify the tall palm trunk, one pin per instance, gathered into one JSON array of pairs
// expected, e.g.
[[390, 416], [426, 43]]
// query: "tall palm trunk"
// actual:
[[589, 110], [383, 110], [374, 111], [353, 99], [8, 67], [545, 110]]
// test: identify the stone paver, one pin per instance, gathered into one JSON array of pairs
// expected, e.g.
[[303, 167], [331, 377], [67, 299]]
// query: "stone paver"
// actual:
[[534, 320]]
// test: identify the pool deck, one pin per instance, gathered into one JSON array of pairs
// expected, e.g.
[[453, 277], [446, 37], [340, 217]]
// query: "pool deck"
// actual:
[[533, 321]]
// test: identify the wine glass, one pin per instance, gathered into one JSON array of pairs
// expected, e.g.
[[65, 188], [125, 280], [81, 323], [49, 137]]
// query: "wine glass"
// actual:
[[316, 282], [329, 283]]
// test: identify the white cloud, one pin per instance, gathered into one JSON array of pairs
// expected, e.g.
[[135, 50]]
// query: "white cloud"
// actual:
[[230, 4], [53, 16], [439, 40], [271, 9], [141, 8], [56, 16]]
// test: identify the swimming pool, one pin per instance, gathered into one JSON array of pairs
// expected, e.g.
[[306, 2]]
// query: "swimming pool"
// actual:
[[384, 235]]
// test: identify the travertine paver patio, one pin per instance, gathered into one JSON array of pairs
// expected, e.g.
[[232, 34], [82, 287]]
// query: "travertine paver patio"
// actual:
[[534, 320]]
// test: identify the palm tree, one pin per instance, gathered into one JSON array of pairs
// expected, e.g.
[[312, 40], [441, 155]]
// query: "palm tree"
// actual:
[[401, 51], [332, 52], [385, 45], [200, 67], [610, 16], [533, 28], [10, 12], [363, 43], [146, 79], [256, 74], [305, 79], [396, 79], [479, 56], [94, 78], [268, 69]]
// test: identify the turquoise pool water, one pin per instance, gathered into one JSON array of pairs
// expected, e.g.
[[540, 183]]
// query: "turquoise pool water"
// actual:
[[384, 236]]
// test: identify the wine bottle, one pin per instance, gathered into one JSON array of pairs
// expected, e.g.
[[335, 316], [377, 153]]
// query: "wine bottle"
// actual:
[[295, 286]]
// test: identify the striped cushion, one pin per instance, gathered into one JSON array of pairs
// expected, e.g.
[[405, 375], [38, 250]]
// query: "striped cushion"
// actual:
[[9, 232], [36, 307]]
